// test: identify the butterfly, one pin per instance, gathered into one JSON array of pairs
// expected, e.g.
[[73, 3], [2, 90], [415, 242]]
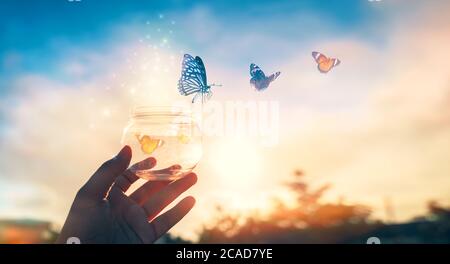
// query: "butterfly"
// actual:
[[193, 79], [148, 144], [259, 80], [324, 64], [183, 138]]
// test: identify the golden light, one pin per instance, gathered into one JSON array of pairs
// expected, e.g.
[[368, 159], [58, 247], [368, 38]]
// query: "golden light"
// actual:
[[238, 168], [238, 164]]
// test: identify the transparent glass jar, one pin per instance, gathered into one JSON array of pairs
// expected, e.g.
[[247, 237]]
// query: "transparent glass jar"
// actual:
[[170, 135]]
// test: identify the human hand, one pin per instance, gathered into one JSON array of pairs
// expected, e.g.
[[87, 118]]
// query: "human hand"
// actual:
[[103, 213]]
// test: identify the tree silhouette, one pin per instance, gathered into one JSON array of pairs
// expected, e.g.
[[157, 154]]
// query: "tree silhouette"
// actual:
[[308, 221]]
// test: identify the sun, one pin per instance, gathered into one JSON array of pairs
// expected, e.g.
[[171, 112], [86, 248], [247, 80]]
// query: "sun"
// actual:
[[237, 163], [238, 167]]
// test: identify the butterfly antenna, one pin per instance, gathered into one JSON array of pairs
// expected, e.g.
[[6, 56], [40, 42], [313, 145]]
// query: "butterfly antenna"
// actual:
[[215, 84]]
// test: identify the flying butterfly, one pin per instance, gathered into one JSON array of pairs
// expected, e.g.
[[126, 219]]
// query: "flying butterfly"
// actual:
[[259, 80], [325, 64], [193, 79]]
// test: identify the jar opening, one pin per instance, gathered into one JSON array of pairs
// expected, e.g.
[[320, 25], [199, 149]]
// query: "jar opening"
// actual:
[[160, 111]]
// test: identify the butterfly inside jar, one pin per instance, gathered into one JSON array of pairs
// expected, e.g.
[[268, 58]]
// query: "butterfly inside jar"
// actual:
[[149, 144], [183, 138]]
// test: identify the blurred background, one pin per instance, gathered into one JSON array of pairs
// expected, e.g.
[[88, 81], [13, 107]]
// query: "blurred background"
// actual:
[[363, 150]]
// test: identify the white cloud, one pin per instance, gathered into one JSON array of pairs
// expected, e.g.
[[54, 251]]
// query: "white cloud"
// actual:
[[56, 134], [378, 125]]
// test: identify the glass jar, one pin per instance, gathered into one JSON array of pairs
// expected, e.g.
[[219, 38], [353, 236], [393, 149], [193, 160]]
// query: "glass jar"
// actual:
[[170, 135]]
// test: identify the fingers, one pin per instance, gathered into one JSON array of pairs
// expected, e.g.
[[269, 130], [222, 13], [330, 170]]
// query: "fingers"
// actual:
[[167, 195], [149, 188], [127, 178], [98, 185], [163, 223]]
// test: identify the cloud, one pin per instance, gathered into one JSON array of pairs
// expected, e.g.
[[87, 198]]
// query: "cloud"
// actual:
[[29, 200], [376, 126], [392, 139], [57, 133]]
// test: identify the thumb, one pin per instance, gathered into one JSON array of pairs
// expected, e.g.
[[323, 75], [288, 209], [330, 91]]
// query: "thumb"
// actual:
[[98, 185]]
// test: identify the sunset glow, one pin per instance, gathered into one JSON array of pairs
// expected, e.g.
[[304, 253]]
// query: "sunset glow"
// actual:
[[376, 127]]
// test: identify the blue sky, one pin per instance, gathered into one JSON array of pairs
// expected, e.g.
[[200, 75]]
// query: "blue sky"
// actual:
[[35, 34], [37, 37], [57, 58]]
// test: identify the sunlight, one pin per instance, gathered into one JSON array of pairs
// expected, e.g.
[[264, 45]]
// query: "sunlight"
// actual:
[[238, 166], [238, 163]]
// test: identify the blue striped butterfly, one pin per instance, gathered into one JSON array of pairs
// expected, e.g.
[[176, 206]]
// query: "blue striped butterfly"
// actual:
[[259, 80], [325, 64], [193, 79]]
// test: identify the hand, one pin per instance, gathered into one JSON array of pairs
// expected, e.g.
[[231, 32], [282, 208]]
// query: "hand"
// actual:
[[103, 213]]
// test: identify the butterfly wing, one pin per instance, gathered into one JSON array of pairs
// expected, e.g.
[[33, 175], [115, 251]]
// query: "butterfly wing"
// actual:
[[264, 83], [201, 71], [192, 79], [273, 76], [336, 62], [256, 72], [326, 66], [319, 57], [148, 144], [205, 89]]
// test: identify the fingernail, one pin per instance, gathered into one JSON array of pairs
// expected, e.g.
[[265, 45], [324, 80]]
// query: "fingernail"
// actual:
[[190, 200], [193, 177], [151, 162]]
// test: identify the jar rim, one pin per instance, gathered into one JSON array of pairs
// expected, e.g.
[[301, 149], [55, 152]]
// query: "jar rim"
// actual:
[[146, 111]]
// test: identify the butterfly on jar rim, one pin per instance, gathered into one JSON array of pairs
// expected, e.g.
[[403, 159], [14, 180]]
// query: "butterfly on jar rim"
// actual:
[[193, 79], [325, 64], [259, 80]]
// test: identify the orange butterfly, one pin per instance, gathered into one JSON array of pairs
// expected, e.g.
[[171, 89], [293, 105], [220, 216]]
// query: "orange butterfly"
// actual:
[[183, 138], [148, 144], [324, 64]]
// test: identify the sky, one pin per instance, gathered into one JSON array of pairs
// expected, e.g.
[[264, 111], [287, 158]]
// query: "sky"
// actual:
[[375, 127]]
